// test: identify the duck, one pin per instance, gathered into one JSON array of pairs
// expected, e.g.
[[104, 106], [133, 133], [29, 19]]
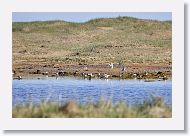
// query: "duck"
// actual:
[[89, 76], [105, 76], [19, 77]]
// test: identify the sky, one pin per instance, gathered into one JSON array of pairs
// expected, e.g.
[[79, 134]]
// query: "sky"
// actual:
[[85, 16]]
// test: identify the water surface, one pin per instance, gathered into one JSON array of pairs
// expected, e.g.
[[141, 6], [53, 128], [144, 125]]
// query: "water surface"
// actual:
[[33, 90]]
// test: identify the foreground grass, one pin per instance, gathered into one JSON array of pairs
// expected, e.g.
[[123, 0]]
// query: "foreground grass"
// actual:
[[151, 109]]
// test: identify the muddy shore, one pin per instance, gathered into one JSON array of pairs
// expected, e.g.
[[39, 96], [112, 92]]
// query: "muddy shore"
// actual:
[[93, 71]]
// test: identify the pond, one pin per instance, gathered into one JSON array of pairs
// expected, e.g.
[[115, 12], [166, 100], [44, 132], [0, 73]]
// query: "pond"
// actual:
[[64, 89]]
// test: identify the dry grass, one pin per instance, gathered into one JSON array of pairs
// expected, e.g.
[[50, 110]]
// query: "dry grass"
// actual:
[[118, 40], [104, 109]]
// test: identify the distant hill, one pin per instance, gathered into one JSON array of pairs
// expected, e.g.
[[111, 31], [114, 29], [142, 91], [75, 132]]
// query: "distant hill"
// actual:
[[121, 40]]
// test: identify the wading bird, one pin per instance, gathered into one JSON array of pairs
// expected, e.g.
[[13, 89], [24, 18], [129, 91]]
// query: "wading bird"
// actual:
[[111, 65]]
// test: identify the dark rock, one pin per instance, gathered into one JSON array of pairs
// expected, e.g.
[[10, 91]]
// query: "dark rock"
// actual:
[[22, 52], [77, 53]]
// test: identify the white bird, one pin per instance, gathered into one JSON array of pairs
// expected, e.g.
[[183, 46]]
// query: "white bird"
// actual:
[[85, 68], [123, 68], [106, 76], [56, 75], [111, 65], [90, 74], [146, 73]]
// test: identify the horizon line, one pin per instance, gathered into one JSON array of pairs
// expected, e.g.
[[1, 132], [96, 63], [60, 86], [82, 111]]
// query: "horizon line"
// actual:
[[83, 22]]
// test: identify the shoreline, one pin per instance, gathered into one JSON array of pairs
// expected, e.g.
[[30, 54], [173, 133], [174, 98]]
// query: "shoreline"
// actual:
[[104, 71]]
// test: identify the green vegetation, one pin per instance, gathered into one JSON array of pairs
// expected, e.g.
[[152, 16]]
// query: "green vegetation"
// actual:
[[104, 109]]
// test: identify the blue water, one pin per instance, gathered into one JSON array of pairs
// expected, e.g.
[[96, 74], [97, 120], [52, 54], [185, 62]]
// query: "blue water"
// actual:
[[83, 91]]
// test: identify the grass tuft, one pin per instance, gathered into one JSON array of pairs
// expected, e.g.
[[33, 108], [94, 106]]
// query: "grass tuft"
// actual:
[[103, 109]]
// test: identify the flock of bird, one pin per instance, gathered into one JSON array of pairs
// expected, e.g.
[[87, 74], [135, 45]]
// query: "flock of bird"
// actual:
[[89, 76], [84, 75]]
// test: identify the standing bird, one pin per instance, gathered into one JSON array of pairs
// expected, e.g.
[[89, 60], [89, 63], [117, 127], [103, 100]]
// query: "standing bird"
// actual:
[[111, 65], [85, 68], [123, 69], [89, 76], [56, 75], [145, 73]]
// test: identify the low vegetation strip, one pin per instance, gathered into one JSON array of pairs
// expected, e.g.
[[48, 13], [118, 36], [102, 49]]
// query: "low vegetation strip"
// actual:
[[103, 109]]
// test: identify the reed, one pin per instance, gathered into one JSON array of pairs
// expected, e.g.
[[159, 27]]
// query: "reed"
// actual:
[[156, 108]]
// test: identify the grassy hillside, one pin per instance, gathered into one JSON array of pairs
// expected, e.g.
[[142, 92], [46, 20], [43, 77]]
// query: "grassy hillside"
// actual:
[[121, 40]]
